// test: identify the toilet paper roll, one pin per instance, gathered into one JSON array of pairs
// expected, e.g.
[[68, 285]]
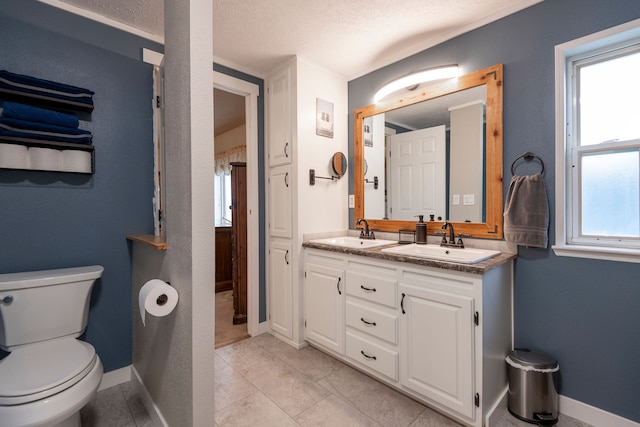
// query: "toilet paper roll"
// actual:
[[157, 298], [76, 161], [46, 159], [14, 156]]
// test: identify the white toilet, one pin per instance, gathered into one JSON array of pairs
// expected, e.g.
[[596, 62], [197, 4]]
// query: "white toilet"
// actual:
[[49, 375]]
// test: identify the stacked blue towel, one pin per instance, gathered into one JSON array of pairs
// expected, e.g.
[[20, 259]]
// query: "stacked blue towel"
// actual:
[[28, 122], [35, 114], [19, 84], [42, 131]]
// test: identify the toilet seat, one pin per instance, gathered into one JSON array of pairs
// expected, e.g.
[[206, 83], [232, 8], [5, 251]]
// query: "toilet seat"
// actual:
[[37, 371]]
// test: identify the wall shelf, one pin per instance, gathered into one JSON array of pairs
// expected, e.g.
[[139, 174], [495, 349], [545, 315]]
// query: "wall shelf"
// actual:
[[71, 165], [45, 102], [60, 146]]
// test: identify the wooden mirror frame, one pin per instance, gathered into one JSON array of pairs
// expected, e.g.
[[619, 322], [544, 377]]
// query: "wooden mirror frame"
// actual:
[[492, 78]]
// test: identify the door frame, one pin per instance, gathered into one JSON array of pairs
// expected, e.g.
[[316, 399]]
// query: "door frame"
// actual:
[[250, 93]]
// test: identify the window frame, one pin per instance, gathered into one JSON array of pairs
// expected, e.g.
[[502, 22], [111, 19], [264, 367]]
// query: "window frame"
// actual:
[[565, 198]]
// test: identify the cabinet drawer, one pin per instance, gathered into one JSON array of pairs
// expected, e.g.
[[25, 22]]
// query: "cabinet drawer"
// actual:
[[372, 321], [373, 355], [371, 288]]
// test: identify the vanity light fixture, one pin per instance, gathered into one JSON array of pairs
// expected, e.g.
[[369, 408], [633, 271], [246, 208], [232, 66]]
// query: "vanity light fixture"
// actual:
[[413, 80]]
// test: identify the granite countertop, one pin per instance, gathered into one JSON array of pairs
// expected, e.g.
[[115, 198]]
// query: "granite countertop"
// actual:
[[478, 268]]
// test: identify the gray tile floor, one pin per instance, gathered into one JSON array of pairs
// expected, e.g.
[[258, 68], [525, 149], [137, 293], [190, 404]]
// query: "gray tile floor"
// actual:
[[262, 381]]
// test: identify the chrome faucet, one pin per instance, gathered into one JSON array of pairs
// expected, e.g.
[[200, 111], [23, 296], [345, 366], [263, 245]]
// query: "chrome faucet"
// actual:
[[452, 237], [365, 234]]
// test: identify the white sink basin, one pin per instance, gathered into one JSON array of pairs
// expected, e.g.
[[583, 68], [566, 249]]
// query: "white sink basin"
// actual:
[[353, 242], [464, 256]]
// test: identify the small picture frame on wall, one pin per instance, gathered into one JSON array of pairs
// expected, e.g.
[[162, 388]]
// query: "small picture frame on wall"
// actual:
[[324, 118], [367, 131]]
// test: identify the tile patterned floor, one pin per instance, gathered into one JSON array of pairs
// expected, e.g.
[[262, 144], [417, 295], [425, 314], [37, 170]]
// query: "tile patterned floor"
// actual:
[[226, 332], [264, 382]]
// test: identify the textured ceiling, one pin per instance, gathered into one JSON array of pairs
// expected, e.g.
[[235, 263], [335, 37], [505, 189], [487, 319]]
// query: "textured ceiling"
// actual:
[[349, 37]]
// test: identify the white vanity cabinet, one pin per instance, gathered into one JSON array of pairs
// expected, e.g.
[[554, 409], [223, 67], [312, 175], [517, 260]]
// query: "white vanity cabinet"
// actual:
[[295, 207], [436, 334], [324, 301], [372, 317]]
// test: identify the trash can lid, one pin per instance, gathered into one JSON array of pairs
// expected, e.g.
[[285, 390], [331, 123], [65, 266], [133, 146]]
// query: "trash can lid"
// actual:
[[533, 359]]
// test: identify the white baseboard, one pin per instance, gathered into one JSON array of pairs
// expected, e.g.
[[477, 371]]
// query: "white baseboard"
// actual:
[[113, 378], [592, 415], [569, 407], [261, 328], [494, 414], [147, 401]]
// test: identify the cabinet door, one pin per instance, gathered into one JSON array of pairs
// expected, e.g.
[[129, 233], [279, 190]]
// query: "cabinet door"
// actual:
[[437, 346], [280, 288], [280, 202], [279, 95], [324, 306]]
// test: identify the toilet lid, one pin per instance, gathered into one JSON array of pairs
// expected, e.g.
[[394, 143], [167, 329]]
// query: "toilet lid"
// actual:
[[39, 370]]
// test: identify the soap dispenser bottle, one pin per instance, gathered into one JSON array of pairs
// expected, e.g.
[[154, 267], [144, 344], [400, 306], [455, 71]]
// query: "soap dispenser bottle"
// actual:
[[421, 231]]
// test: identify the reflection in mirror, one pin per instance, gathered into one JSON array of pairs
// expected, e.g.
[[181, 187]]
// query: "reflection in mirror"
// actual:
[[437, 151], [339, 164], [413, 144]]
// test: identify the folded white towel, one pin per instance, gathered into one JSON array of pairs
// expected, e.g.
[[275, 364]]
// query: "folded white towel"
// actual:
[[526, 212]]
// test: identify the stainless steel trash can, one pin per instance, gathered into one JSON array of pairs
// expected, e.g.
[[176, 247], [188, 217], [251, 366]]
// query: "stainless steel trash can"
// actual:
[[533, 396]]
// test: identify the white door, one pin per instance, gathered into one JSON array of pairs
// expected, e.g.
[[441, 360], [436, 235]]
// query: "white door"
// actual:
[[324, 296], [417, 173], [437, 343], [280, 208], [280, 288]]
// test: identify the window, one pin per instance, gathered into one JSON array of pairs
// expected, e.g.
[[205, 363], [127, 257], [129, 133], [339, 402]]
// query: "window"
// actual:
[[598, 145], [222, 193]]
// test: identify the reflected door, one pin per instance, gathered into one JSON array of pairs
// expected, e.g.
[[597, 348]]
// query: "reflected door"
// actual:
[[417, 173]]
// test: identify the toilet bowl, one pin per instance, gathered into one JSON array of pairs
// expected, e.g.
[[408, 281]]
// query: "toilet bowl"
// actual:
[[49, 375]]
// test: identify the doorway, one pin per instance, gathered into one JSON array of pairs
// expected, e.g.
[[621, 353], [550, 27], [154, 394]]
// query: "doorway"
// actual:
[[235, 124]]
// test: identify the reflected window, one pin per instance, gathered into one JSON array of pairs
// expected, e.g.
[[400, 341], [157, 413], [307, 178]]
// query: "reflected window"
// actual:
[[222, 193]]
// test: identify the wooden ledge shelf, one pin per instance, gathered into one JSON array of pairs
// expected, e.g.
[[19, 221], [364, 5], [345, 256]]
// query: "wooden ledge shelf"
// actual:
[[160, 243]]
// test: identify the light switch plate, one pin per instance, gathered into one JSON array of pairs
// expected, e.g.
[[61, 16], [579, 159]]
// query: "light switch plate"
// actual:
[[456, 199], [469, 199], [352, 201]]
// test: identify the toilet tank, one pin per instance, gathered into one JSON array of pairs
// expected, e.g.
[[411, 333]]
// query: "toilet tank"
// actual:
[[42, 305]]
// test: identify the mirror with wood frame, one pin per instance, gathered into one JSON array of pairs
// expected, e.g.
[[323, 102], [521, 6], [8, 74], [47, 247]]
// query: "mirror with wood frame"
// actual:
[[487, 223]]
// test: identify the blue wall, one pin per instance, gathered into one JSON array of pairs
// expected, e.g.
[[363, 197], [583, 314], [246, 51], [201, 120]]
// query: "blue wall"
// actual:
[[586, 313], [54, 220]]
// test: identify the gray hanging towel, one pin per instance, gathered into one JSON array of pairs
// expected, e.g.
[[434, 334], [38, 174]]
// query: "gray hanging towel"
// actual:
[[526, 212]]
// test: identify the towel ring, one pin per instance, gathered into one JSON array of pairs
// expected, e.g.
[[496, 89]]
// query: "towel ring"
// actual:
[[528, 156]]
